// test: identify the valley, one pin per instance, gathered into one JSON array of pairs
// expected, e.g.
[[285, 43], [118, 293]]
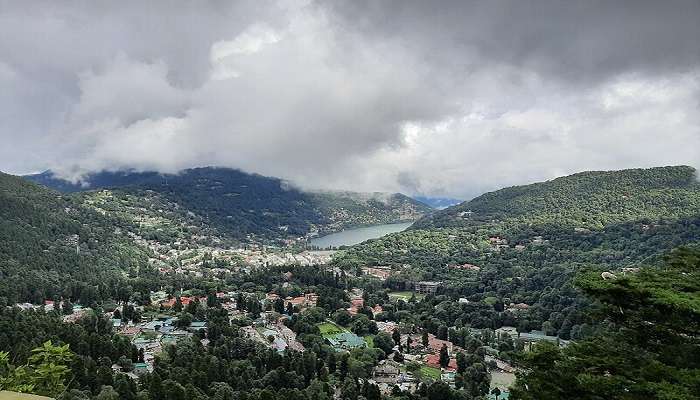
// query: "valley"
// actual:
[[174, 276]]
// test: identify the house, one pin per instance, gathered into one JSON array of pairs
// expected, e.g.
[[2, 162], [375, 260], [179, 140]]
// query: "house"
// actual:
[[130, 331], [307, 300], [271, 297], [426, 287], [433, 360], [196, 326], [311, 299], [500, 364], [467, 267], [497, 240], [507, 331], [448, 377], [346, 341], [388, 327], [504, 395], [378, 272], [386, 372], [538, 336], [519, 307], [142, 368], [435, 344]]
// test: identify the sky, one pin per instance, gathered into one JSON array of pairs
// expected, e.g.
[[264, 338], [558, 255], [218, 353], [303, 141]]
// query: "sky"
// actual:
[[447, 98]]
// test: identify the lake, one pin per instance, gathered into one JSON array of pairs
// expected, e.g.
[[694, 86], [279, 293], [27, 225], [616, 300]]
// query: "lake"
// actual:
[[349, 237]]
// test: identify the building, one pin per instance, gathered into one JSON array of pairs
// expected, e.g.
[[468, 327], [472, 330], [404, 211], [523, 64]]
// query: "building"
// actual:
[[507, 331], [378, 272], [427, 287], [433, 360], [346, 341], [386, 372], [466, 266]]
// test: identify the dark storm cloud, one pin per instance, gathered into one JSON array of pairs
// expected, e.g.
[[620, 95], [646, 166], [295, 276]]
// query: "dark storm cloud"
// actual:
[[447, 98], [572, 40]]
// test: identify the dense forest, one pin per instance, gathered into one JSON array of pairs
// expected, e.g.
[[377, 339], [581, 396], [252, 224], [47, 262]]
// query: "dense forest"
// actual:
[[649, 347], [241, 204], [52, 247], [586, 200], [530, 253]]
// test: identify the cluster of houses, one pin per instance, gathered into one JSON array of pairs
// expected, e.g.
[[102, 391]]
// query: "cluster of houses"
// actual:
[[390, 373], [274, 335], [379, 272], [149, 337]]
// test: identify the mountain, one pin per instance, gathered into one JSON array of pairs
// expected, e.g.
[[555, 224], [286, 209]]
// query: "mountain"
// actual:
[[525, 244], [437, 202], [240, 204], [52, 246], [587, 200]]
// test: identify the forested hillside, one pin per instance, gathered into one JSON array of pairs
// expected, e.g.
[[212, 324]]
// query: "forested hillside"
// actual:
[[241, 204], [525, 244], [51, 246], [587, 199]]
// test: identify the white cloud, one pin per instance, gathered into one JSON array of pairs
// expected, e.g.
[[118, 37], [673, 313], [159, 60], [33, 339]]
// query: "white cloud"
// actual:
[[451, 100]]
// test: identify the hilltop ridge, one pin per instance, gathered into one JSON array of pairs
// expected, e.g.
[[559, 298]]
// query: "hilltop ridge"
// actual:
[[242, 204], [591, 199]]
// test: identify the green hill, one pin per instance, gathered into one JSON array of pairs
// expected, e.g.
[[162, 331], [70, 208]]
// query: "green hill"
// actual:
[[51, 246], [525, 244], [240, 204], [588, 200]]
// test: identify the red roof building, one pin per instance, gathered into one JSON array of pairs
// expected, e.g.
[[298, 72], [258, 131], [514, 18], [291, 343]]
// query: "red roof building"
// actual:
[[433, 360]]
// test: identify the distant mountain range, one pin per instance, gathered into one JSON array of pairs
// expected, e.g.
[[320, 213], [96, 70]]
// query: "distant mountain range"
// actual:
[[241, 204], [438, 203]]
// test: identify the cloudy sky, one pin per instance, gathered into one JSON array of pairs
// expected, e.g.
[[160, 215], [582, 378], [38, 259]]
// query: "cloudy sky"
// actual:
[[435, 98]]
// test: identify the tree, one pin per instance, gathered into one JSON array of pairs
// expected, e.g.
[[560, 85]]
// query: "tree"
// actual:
[[439, 391], [107, 393], [349, 390], [444, 356], [461, 363], [384, 342], [424, 339], [396, 335], [44, 373], [442, 332], [650, 348], [178, 305], [278, 305], [67, 307], [342, 318], [172, 390], [184, 320]]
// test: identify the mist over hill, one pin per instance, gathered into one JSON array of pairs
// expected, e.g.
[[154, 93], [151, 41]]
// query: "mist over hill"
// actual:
[[242, 204]]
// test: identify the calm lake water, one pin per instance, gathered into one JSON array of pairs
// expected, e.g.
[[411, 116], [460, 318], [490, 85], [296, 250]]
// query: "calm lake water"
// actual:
[[349, 237]]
